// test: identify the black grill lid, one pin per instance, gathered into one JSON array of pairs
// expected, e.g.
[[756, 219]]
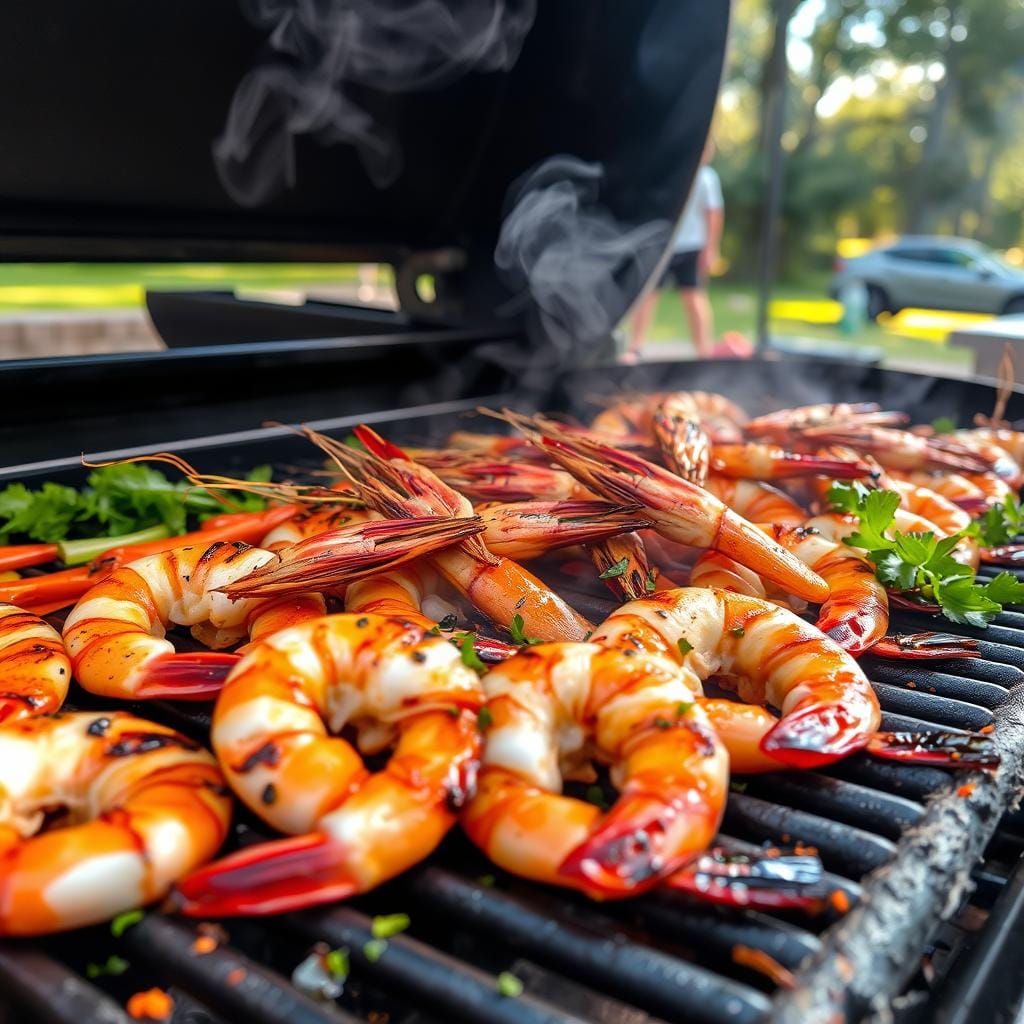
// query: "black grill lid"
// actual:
[[109, 114]]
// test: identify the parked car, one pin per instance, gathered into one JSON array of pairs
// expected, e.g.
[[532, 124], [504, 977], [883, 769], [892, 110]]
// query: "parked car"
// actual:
[[933, 273]]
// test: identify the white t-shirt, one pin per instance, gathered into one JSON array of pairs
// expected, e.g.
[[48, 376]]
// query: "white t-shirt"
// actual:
[[692, 235]]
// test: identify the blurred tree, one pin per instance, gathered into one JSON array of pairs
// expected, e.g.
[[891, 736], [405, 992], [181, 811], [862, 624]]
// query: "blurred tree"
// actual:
[[902, 115]]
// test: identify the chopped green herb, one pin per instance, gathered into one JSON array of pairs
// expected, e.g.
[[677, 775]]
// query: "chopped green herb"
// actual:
[[1000, 524], [652, 581], [508, 985], [434, 631], [944, 425], [618, 569], [124, 921], [683, 707], [518, 636], [738, 786], [684, 646], [337, 963], [487, 881], [738, 631], [375, 949], [114, 967], [662, 723], [389, 924], [469, 656], [921, 564], [455, 711], [586, 636], [595, 795], [484, 719]]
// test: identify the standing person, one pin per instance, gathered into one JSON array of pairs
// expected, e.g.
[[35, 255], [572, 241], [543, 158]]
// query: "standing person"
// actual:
[[695, 250]]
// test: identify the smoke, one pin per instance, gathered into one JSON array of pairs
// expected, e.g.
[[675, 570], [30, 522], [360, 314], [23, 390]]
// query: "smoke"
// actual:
[[323, 52], [578, 264]]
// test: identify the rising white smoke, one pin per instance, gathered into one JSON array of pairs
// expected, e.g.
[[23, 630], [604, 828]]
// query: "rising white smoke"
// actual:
[[321, 52], [580, 265]]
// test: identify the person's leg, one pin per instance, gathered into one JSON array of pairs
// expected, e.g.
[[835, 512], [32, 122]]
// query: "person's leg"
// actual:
[[698, 312], [641, 323]]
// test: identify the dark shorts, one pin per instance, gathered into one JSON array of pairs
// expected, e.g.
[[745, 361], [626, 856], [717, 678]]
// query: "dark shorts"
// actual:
[[681, 271]]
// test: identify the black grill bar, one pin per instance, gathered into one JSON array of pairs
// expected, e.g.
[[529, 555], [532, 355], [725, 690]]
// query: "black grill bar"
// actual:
[[876, 947], [225, 979], [421, 972], [848, 851], [938, 683], [915, 782], [956, 714], [648, 978], [881, 813], [53, 992]]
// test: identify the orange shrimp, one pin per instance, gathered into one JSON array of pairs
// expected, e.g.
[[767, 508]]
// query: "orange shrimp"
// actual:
[[756, 501], [685, 445], [146, 806], [552, 706], [499, 587], [34, 666], [769, 656], [900, 449], [678, 510], [275, 731], [954, 486], [115, 634], [769, 462], [788, 423]]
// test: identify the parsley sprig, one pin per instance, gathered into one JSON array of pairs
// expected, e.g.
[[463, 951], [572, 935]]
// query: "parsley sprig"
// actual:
[[518, 636], [1000, 524], [920, 563]]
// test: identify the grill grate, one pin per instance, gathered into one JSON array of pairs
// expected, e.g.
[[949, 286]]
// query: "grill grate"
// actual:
[[664, 956]]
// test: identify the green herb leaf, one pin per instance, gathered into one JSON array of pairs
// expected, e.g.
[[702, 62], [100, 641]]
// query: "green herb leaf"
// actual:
[[389, 924], [1000, 524], [518, 636], [738, 631], [484, 719], [1005, 589], [124, 921], [943, 425], [684, 646], [375, 949], [337, 963], [113, 968], [684, 707], [469, 656], [651, 582], [508, 985], [618, 569]]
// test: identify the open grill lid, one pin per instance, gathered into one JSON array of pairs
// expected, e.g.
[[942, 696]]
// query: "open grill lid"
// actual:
[[110, 116]]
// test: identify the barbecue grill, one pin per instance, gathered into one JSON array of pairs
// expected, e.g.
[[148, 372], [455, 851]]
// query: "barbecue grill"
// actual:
[[930, 868]]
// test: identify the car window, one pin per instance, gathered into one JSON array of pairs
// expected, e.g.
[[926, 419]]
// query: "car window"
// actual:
[[914, 255]]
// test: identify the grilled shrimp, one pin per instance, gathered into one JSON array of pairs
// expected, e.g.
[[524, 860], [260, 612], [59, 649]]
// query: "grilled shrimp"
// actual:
[[769, 656], [398, 488], [954, 486], [769, 462], [115, 634], [1002, 449], [900, 449], [930, 505], [756, 501], [788, 423], [275, 731], [552, 706], [679, 510], [145, 806], [34, 667], [685, 445]]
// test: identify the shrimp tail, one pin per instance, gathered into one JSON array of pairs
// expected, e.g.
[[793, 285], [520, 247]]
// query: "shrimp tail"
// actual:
[[763, 880], [819, 734], [754, 549], [377, 445], [1007, 554], [944, 749], [195, 675], [926, 646], [623, 856], [268, 878], [855, 630]]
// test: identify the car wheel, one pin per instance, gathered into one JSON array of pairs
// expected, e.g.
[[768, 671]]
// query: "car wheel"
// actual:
[[878, 302], [1014, 305]]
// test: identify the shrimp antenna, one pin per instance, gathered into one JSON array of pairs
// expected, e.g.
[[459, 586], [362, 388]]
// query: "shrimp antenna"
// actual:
[[215, 484]]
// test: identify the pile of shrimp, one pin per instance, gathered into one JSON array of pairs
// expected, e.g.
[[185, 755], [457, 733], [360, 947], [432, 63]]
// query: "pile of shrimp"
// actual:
[[325, 631]]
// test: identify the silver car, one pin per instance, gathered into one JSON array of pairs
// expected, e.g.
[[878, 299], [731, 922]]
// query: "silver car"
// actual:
[[933, 273]]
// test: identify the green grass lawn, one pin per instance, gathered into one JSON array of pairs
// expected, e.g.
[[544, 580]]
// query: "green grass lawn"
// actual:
[[38, 287], [735, 309], [35, 287]]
